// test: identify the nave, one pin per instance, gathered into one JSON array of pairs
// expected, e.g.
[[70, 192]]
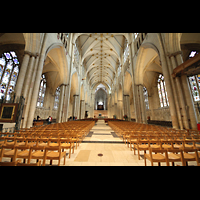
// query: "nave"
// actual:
[[102, 147]]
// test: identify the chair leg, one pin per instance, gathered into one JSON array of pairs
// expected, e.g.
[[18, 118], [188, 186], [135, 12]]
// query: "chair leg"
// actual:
[[69, 152], [138, 154], [64, 159]]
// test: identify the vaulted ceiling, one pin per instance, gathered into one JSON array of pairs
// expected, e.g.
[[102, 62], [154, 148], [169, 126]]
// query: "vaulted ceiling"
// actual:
[[101, 56]]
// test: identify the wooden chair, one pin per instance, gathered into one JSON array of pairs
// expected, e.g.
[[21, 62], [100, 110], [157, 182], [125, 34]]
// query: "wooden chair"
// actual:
[[133, 141], [65, 143], [31, 164], [167, 144], [36, 153], [175, 155], [157, 157], [190, 154], [142, 145], [10, 163], [8, 150], [42, 142], [50, 154], [178, 144], [53, 142], [24, 153]]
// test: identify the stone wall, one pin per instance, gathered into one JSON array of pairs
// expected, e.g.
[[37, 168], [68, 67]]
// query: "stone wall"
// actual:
[[161, 114], [44, 113]]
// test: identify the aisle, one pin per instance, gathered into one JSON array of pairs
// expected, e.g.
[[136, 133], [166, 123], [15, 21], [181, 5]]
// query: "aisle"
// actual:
[[102, 147]]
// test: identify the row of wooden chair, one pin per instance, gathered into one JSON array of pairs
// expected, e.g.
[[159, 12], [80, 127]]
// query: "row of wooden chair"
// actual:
[[18, 163], [34, 152], [172, 155], [163, 144], [42, 143]]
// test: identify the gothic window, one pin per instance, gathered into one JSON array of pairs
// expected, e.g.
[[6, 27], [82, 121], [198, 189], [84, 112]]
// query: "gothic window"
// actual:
[[136, 34], [42, 89], [9, 70], [126, 51], [194, 81], [162, 92], [194, 85], [119, 70], [76, 54], [146, 97], [57, 95], [192, 54]]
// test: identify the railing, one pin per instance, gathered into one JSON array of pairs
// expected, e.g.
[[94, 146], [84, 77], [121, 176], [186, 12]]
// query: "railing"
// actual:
[[138, 41], [64, 38]]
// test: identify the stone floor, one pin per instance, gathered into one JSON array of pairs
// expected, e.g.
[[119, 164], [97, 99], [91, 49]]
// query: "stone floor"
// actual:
[[102, 140]]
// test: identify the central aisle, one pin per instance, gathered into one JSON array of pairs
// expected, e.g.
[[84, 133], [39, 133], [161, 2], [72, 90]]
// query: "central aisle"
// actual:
[[102, 147]]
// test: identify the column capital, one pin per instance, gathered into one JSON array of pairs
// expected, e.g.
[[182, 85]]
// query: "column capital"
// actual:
[[174, 54], [64, 85], [31, 54]]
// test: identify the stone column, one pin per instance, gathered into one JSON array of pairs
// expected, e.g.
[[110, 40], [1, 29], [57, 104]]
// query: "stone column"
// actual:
[[21, 77], [92, 105], [142, 104], [138, 110], [86, 109], [120, 109], [82, 115], [29, 76], [65, 103], [76, 106], [127, 106], [37, 84], [175, 93], [166, 74], [60, 108], [115, 110], [28, 98], [188, 96], [27, 82], [180, 97]]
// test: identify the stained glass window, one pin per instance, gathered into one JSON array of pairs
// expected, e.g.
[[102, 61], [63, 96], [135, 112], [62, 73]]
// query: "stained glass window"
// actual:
[[146, 97], [40, 101], [57, 96], [192, 54], [9, 70], [194, 81], [162, 92], [194, 85]]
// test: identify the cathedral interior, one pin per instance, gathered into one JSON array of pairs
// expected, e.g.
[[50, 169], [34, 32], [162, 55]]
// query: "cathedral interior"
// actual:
[[147, 77]]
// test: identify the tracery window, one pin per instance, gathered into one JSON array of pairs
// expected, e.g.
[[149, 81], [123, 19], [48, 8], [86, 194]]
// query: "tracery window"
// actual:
[[40, 101], [119, 70], [162, 92], [57, 96], [76, 53], [126, 52], [136, 34], [9, 70], [194, 85], [146, 97], [194, 81]]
